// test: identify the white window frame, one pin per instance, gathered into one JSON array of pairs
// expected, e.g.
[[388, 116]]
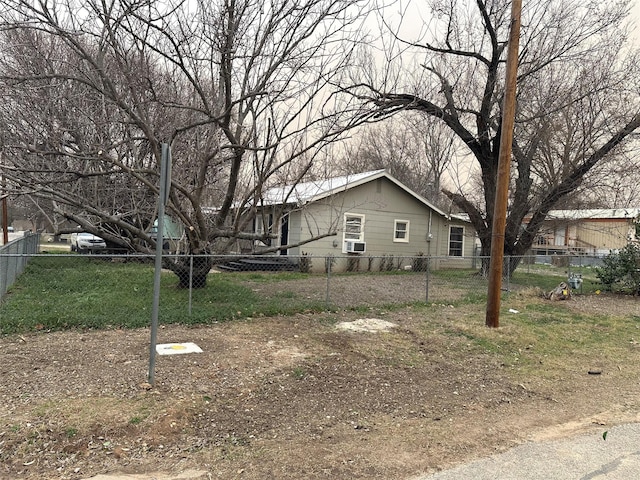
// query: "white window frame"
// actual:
[[396, 238], [451, 227], [350, 236], [259, 227], [258, 223]]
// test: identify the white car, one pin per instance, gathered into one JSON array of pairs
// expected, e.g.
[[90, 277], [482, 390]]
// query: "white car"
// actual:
[[86, 242]]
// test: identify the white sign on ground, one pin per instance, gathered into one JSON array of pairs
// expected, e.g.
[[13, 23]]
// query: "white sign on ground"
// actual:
[[177, 348]]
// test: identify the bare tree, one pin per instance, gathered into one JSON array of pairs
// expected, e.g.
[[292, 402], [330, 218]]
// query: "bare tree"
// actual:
[[615, 185], [416, 150], [577, 99], [241, 89]]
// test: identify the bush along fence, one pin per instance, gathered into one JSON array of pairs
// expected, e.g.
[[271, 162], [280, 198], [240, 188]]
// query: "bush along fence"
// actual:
[[14, 257]]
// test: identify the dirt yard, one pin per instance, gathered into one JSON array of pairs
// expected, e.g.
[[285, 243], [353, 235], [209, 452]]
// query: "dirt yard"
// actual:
[[294, 398]]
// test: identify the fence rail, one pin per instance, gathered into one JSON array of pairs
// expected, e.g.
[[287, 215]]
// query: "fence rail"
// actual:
[[14, 257]]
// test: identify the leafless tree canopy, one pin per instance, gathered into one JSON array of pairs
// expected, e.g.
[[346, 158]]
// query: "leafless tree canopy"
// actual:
[[414, 149], [577, 105], [249, 92], [239, 88]]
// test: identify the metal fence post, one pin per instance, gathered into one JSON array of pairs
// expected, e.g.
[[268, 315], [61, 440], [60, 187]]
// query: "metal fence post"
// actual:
[[426, 297], [190, 281], [327, 262], [508, 257]]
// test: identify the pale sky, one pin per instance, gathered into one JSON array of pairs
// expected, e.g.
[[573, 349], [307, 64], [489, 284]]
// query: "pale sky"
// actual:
[[635, 13]]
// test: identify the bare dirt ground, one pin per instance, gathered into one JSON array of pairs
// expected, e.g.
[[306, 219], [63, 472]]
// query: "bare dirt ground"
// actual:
[[293, 398]]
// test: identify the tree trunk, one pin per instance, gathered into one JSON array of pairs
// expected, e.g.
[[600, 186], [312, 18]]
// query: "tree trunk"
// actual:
[[192, 271], [512, 258]]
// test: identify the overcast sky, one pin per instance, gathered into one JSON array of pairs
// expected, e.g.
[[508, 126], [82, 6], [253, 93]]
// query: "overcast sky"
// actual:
[[635, 13]]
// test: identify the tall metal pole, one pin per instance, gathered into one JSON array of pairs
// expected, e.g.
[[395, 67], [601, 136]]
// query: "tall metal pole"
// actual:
[[3, 199], [504, 164], [165, 187], [5, 218]]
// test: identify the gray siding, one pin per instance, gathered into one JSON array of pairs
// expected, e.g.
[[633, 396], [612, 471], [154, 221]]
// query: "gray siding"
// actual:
[[382, 203]]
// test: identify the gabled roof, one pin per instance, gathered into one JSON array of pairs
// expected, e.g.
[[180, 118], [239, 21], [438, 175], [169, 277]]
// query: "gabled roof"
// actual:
[[312, 191], [593, 214]]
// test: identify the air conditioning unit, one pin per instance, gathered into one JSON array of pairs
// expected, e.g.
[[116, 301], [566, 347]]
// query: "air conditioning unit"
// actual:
[[354, 247]]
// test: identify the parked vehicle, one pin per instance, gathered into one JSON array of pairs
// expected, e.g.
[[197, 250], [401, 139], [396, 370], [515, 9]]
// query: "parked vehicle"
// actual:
[[84, 242]]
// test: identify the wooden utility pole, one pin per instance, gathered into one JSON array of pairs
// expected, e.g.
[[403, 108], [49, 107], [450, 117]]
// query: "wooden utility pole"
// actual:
[[504, 164]]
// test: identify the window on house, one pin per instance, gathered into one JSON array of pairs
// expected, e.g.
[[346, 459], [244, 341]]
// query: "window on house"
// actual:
[[263, 223], [401, 231], [456, 241], [353, 227]]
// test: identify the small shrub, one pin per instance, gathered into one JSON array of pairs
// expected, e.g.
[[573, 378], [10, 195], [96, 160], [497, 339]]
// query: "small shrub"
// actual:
[[390, 263], [353, 264], [135, 420], [305, 263], [369, 263], [387, 263], [299, 373], [621, 269], [383, 263]]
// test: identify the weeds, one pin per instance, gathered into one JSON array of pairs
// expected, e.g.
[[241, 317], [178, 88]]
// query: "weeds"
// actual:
[[299, 373], [80, 292], [86, 293]]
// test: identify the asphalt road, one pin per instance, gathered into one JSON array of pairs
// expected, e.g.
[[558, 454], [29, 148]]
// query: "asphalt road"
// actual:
[[11, 235], [585, 457]]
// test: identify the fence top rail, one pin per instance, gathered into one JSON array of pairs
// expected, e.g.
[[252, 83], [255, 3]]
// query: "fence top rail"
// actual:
[[227, 257]]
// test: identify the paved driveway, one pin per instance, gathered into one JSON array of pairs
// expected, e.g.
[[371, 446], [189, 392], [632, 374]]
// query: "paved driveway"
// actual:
[[585, 457]]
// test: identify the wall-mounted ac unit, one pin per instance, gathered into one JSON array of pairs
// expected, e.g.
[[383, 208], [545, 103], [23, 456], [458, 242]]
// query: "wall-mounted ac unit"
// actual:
[[354, 247]]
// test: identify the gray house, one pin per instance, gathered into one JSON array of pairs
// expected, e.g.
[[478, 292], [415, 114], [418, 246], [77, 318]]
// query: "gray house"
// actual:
[[368, 214]]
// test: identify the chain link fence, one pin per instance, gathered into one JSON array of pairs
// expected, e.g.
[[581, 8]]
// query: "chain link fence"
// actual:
[[66, 289], [14, 257], [358, 280]]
